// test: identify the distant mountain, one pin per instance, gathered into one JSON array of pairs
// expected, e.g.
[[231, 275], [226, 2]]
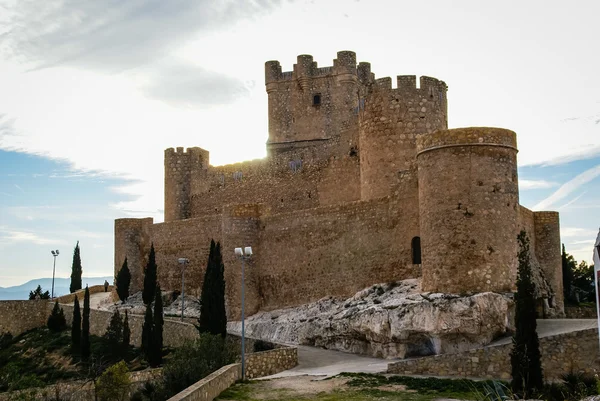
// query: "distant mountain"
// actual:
[[61, 287]]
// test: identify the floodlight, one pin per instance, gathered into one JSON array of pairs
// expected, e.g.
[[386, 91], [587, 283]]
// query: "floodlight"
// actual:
[[239, 252], [248, 251], [57, 252], [53, 253]]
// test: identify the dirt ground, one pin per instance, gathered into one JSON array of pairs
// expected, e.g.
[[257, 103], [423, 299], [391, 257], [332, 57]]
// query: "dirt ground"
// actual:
[[319, 388]]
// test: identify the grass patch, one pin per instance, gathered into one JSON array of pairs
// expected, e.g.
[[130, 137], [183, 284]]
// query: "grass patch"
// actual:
[[40, 357]]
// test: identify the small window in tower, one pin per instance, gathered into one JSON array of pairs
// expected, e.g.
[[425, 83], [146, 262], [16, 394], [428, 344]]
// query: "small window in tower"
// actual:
[[416, 250], [237, 176], [316, 99]]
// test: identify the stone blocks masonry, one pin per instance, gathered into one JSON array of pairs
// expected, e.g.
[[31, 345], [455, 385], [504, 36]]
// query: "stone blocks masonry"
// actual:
[[363, 183]]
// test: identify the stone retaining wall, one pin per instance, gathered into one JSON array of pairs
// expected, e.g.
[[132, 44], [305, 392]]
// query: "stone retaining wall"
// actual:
[[212, 385], [17, 317], [79, 390], [570, 352], [577, 312], [266, 363]]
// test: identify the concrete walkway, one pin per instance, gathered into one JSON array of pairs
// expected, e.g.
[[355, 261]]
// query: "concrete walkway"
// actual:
[[314, 361]]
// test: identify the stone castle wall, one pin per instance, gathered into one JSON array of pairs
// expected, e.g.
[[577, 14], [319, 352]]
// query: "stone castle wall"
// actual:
[[561, 354], [334, 251]]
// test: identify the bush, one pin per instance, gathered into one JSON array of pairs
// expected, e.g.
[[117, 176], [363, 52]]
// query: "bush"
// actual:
[[56, 320], [5, 340], [574, 386], [151, 391], [194, 361], [260, 345], [114, 383]]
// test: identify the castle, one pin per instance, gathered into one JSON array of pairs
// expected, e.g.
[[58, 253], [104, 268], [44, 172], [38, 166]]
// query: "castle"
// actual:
[[362, 184]]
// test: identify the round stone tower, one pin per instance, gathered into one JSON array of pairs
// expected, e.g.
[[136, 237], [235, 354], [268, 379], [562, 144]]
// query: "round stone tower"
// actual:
[[468, 207], [390, 122]]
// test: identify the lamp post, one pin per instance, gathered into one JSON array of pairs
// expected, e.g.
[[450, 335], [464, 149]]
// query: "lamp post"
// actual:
[[54, 254], [182, 262], [243, 254]]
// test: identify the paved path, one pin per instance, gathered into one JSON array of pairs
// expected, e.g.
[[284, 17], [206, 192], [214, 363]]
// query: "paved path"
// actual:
[[322, 362], [98, 300], [314, 361]]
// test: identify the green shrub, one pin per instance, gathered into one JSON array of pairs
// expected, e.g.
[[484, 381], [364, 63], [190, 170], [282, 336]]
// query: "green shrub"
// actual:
[[5, 340], [113, 384], [56, 320], [194, 361], [260, 345]]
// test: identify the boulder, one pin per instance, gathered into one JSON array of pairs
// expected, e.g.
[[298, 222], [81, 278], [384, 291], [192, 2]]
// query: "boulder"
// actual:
[[392, 320]]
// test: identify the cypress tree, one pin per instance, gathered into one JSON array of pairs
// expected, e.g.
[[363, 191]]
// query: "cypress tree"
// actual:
[[147, 333], [76, 270], [114, 331], [76, 327], [568, 266], [126, 332], [157, 330], [206, 312], [213, 316], [525, 357], [85, 326], [220, 322], [150, 278], [123, 282]]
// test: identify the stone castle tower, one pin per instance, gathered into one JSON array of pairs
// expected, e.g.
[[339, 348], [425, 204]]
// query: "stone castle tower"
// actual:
[[363, 183]]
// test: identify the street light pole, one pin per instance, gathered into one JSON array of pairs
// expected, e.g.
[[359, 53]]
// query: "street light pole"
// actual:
[[182, 262], [243, 255], [54, 254]]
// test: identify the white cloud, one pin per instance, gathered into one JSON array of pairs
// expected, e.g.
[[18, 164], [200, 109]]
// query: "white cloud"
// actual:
[[569, 187], [576, 232], [536, 184], [9, 237]]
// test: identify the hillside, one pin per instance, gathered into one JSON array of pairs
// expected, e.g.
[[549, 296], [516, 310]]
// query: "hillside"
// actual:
[[61, 287]]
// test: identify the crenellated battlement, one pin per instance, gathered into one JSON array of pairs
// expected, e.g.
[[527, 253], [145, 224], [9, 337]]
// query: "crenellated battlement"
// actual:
[[407, 85], [306, 67]]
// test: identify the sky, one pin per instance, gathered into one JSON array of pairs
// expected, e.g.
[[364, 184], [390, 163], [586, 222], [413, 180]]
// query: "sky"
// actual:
[[91, 93]]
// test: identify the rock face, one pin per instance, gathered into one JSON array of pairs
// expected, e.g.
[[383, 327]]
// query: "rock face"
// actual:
[[390, 321]]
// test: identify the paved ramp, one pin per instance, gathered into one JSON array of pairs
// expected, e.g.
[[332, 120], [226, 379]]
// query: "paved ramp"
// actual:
[[323, 362]]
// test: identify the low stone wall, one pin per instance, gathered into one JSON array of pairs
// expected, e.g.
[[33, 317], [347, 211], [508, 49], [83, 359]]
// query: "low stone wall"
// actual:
[[69, 298], [17, 317], [76, 390], [570, 352], [576, 312], [266, 363], [212, 385]]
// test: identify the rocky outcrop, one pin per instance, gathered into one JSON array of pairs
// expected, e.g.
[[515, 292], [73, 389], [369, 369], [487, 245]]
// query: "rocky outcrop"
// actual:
[[388, 320]]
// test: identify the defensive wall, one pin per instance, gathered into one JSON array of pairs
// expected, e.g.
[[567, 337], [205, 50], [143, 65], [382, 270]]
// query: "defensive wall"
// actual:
[[78, 390], [572, 352], [363, 183]]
